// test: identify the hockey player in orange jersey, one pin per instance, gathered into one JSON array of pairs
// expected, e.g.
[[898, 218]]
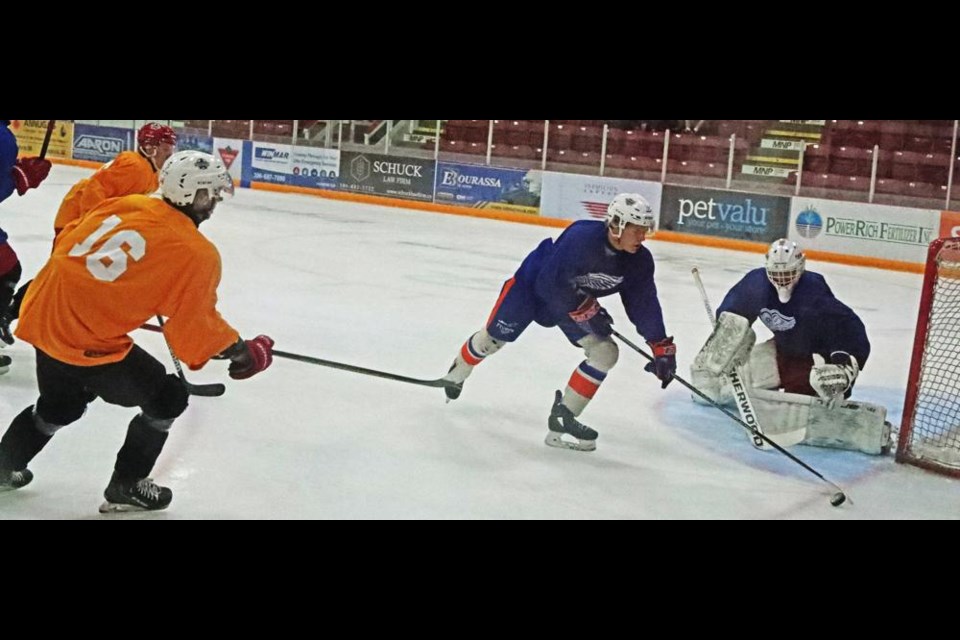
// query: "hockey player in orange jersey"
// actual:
[[129, 173], [113, 269]]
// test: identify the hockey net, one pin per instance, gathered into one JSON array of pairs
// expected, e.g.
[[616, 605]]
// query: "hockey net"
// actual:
[[930, 431]]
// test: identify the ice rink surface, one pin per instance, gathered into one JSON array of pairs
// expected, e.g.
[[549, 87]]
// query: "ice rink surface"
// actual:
[[400, 290]]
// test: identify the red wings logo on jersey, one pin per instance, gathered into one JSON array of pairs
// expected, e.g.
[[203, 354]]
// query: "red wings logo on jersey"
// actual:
[[776, 321]]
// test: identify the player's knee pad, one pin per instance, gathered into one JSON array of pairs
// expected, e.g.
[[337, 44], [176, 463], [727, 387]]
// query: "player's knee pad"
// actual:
[[52, 416], [44, 427], [170, 402], [602, 353], [157, 424], [484, 344]]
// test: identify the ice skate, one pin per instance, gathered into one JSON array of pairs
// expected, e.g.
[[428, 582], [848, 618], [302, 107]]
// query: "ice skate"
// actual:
[[10, 480], [453, 391], [562, 421], [135, 495]]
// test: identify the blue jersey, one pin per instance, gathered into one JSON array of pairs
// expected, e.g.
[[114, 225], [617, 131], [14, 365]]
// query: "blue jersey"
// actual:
[[8, 158], [582, 263], [813, 321]]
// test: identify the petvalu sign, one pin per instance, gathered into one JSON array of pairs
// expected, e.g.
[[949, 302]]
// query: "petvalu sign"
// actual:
[[724, 214]]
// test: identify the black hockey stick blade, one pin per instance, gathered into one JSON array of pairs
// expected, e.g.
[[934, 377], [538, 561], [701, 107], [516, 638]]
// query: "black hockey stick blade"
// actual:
[[207, 390], [211, 390], [440, 382], [46, 138]]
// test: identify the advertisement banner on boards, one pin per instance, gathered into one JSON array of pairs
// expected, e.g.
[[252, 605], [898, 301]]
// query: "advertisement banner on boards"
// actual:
[[30, 135], [314, 167], [949, 224], [194, 142], [724, 214], [270, 162], [861, 229], [486, 187], [230, 152], [578, 197], [100, 144], [377, 174]]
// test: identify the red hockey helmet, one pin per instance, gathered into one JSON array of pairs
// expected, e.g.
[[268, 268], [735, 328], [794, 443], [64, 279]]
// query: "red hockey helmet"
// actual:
[[154, 134]]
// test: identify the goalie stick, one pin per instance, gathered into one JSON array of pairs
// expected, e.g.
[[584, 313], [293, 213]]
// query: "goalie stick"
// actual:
[[836, 499]]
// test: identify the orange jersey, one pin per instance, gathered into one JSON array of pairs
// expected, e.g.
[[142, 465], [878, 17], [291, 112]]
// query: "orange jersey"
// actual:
[[124, 262], [125, 175]]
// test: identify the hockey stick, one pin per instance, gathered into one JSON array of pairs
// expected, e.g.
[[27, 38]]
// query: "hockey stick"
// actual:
[[207, 390], [439, 382], [836, 499], [744, 404], [46, 138]]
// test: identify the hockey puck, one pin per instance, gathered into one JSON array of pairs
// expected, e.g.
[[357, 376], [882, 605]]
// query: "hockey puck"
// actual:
[[837, 499]]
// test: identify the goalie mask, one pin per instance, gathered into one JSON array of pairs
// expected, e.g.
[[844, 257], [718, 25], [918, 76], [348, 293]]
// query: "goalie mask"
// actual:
[[785, 264], [629, 208]]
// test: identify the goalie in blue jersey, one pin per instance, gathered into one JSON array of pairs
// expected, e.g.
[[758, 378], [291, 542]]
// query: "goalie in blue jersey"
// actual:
[[818, 349]]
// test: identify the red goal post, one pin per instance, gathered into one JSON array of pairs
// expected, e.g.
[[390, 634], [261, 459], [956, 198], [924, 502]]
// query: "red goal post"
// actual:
[[930, 430]]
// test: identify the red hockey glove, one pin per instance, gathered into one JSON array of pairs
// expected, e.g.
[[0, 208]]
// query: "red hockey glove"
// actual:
[[593, 318], [28, 173], [251, 357]]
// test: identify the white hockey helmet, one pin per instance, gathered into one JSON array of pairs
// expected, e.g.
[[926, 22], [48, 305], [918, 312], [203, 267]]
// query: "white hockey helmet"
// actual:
[[187, 172], [785, 264], [629, 208]]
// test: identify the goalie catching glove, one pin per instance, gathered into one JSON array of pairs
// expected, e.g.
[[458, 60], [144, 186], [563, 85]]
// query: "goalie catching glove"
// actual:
[[834, 379]]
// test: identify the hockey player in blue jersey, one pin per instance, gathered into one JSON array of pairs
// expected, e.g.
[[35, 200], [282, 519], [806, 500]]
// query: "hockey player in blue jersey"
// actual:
[[558, 285], [818, 349], [15, 175]]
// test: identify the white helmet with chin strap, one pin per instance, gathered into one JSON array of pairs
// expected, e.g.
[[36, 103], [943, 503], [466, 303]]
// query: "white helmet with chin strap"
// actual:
[[187, 172], [785, 264], [629, 208]]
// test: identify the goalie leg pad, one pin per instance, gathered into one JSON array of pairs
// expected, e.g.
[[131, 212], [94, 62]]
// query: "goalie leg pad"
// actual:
[[727, 346], [708, 383], [853, 426], [761, 371], [857, 426]]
